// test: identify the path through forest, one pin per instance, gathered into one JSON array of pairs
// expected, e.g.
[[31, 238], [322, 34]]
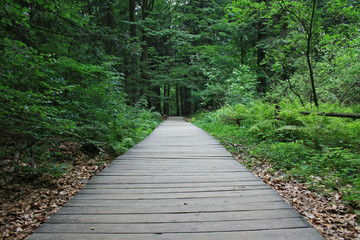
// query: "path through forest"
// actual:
[[178, 183]]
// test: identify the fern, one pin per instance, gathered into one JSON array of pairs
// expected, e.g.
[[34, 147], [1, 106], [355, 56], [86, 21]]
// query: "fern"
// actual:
[[264, 128]]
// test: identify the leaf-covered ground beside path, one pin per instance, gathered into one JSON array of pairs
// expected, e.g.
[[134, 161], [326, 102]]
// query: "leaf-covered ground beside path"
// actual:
[[328, 214], [25, 204]]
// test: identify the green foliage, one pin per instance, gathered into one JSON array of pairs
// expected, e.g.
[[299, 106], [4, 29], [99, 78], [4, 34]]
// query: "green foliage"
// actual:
[[240, 87], [61, 82], [322, 151], [284, 155], [30, 94], [289, 33], [130, 127]]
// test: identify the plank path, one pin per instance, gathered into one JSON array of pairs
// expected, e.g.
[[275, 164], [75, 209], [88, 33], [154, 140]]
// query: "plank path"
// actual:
[[177, 184]]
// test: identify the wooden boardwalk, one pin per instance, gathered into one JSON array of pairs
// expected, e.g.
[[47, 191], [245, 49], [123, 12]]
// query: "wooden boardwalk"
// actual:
[[177, 184]]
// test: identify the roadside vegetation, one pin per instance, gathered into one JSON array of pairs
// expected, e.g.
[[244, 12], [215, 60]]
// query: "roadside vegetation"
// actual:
[[319, 150], [277, 140]]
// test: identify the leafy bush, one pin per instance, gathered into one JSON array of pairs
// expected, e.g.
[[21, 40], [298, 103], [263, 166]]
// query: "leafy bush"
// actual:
[[130, 127]]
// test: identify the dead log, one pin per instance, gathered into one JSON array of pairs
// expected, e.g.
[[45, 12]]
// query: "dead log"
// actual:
[[330, 114]]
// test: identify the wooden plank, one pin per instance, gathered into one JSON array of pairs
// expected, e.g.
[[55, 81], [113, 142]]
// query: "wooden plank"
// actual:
[[192, 150], [170, 171], [274, 234], [170, 179], [167, 167], [188, 165], [93, 201], [175, 185], [175, 208], [174, 160], [177, 227], [214, 194], [181, 217], [117, 189], [194, 227], [173, 174]]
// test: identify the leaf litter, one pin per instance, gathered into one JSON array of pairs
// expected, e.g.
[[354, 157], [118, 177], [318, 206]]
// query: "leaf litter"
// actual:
[[328, 214], [26, 205]]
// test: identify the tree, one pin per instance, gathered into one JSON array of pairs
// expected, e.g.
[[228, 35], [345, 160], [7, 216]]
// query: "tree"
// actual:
[[305, 14]]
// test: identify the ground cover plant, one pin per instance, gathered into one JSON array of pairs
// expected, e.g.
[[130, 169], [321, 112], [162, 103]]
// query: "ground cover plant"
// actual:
[[283, 145]]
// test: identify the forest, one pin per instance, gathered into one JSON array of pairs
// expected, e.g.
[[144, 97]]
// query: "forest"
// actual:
[[276, 82]]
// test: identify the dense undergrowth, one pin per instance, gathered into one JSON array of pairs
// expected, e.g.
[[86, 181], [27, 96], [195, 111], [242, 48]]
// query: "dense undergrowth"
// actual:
[[320, 151], [38, 178], [38, 160]]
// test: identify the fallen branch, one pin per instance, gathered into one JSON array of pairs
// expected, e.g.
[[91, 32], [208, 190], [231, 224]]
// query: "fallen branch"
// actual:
[[343, 115]]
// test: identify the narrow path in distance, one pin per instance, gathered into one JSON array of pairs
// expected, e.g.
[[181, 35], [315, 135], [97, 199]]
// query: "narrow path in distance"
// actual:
[[177, 184]]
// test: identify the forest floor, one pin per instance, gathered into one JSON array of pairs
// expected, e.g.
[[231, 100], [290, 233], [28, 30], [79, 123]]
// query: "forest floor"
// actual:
[[26, 204], [27, 200], [328, 214]]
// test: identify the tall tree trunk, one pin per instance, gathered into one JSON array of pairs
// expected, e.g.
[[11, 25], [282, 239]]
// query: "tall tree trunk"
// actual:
[[168, 99], [260, 57], [181, 93], [164, 100], [309, 34], [130, 61], [147, 6], [132, 18], [156, 101], [187, 104], [177, 101], [109, 21], [309, 53]]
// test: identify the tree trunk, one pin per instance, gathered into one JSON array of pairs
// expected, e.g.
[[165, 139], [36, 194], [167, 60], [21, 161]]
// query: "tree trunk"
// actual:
[[168, 99], [132, 18], [181, 100], [177, 101], [164, 99], [309, 52], [147, 7], [166, 104], [187, 105], [130, 61], [262, 86], [157, 102]]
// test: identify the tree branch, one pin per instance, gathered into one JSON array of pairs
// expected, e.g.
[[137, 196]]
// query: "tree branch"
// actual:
[[302, 21], [342, 99]]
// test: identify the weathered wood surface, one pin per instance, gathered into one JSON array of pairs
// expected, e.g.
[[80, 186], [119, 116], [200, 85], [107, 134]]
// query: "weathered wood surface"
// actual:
[[177, 184]]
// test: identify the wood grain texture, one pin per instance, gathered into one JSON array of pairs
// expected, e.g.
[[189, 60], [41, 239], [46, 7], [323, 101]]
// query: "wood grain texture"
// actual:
[[179, 183]]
